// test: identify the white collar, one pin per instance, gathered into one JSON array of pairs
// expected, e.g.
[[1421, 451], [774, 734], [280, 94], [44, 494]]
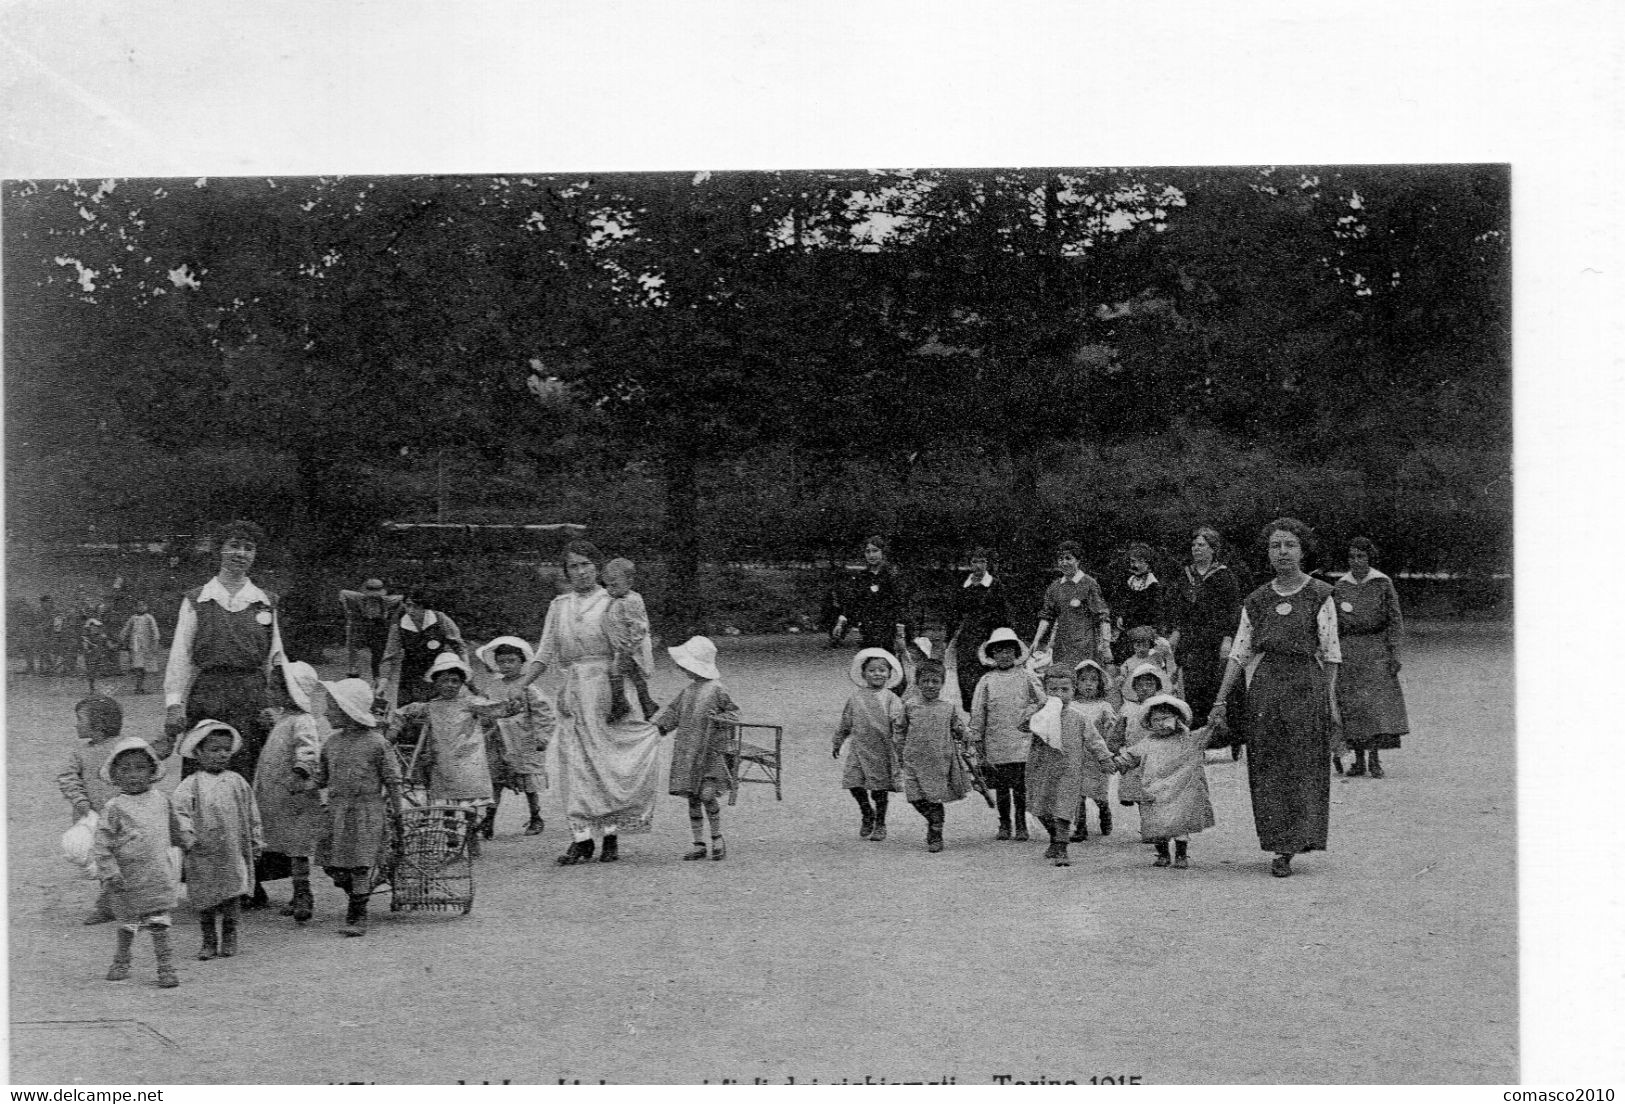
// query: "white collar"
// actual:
[[1371, 573], [1075, 577], [215, 591], [1275, 585], [429, 618], [987, 580], [1136, 582]]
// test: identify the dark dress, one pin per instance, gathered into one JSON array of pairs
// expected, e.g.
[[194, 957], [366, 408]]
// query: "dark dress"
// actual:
[[1205, 610], [977, 611], [876, 604], [418, 651], [1369, 627], [1290, 715], [230, 651], [1135, 608]]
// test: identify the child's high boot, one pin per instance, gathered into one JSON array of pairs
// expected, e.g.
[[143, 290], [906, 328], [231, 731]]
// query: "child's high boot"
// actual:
[[880, 798], [304, 906], [1162, 853], [1376, 764], [1180, 859], [228, 931], [1105, 821], [166, 959], [355, 917], [120, 969], [211, 943], [1080, 826]]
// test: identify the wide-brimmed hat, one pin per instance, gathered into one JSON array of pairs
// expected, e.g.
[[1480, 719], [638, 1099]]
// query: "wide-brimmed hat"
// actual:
[[302, 681], [1164, 699], [1002, 636], [354, 697], [1095, 666], [130, 743], [697, 654], [487, 653], [448, 661], [194, 736], [1163, 683], [855, 672]]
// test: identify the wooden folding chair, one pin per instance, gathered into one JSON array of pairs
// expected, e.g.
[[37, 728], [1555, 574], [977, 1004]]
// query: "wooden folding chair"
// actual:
[[752, 760]]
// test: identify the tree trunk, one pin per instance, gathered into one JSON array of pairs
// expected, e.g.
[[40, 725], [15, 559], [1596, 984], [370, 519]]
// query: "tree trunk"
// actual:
[[682, 605]]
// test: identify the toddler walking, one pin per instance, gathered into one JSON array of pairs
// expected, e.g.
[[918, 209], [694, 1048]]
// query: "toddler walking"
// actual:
[[98, 720], [226, 831], [363, 782], [139, 825], [516, 746], [291, 812], [998, 708], [928, 746], [1171, 757], [1064, 737], [699, 767], [1089, 698], [140, 635], [869, 722]]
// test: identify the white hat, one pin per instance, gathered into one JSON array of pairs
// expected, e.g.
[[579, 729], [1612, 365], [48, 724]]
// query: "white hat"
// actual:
[[353, 696], [696, 654], [1168, 700], [1002, 636], [130, 743], [486, 653], [1163, 685], [448, 661], [302, 681], [194, 736], [855, 672]]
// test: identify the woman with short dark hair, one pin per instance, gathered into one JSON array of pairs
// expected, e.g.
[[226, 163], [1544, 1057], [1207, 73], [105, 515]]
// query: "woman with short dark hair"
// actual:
[[1203, 615]]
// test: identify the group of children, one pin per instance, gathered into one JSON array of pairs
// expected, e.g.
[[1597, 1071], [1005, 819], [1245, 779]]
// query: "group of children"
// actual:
[[1043, 743]]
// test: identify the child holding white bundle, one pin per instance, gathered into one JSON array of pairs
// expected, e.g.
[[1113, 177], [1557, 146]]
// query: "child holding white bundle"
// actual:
[[699, 769], [870, 721], [1171, 757], [98, 720], [1063, 738], [226, 829]]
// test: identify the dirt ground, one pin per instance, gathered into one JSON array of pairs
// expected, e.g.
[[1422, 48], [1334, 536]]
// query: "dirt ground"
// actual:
[[814, 955]]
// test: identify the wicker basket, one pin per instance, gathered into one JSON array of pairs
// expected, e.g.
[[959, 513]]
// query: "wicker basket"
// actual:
[[430, 867]]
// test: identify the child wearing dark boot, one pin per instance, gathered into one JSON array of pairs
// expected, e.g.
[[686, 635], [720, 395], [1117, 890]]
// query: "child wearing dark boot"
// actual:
[[1089, 685], [929, 742], [1171, 757], [626, 623], [699, 765], [226, 826], [363, 781], [999, 705], [870, 722], [139, 825], [516, 746], [1064, 736], [98, 720], [292, 816]]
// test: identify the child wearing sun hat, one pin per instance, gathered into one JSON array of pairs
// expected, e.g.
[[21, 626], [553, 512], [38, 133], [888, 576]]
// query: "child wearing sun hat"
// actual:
[[869, 728], [226, 823], [363, 781], [138, 827], [1171, 757], [699, 770], [997, 710], [516, 745]]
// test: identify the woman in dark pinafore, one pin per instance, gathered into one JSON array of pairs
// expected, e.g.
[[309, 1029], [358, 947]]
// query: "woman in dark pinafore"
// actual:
[[226, 639], [1291, 624], [416, 638]]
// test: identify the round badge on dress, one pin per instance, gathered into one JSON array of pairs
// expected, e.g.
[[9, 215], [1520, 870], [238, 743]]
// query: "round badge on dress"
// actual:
[[874, 588], [263, 617], [1284, 608], [1348, 607], [1076, 602], [433, 644]]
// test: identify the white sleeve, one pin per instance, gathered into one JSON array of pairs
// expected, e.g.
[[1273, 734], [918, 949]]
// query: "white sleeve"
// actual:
[[180, 673], [1241, 647], [1331, 649]]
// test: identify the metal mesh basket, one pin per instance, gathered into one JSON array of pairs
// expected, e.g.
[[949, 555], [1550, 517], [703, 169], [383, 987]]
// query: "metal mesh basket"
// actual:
[[430, 867]]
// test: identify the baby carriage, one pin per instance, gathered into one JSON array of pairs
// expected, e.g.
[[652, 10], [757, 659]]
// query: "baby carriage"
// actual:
[[428, 863]]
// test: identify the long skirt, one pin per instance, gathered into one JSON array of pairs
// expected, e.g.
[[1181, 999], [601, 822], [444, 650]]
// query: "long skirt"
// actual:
[[608, 773], [1203, 671], [1289, 754], [237, 698], [1372, 704]]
